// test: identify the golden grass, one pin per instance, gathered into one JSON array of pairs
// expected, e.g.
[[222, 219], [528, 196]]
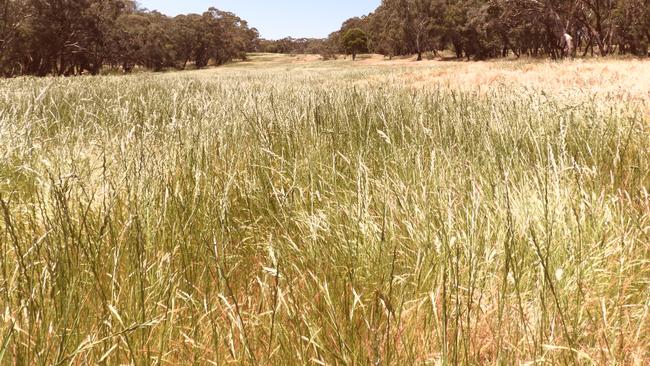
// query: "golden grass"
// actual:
[[287, 210], [613, 78]]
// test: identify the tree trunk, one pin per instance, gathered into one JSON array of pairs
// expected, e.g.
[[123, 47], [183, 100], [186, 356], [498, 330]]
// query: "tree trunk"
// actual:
[[587, 48], [459, 50], [417, 45]]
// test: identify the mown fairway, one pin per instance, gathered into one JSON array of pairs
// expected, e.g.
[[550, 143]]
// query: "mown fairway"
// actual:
[[307, 212]]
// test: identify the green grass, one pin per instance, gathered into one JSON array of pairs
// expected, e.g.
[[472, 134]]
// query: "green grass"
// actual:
[[272, 216]]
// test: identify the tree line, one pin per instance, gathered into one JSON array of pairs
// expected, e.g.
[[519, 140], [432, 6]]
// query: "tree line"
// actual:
[[481, 29], [70, 37], [290, 45]]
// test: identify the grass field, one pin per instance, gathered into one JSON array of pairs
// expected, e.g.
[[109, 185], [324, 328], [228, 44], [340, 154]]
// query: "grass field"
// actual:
[[291, 211]]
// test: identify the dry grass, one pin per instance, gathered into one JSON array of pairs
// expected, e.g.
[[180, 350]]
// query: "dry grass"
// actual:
[[622, 79], [290, 211]]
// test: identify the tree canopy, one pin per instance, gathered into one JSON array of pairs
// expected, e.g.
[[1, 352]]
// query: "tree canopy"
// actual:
[[43, 37], [355, 41], [481, 29]]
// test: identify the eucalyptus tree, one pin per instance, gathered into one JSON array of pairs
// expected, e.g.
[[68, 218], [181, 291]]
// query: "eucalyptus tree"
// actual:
[[57, 37]]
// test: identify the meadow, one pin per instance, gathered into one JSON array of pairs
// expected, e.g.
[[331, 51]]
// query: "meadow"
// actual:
[[289, 211]]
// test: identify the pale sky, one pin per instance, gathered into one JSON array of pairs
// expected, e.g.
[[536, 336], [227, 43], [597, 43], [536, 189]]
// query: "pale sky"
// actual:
[[277, 18]]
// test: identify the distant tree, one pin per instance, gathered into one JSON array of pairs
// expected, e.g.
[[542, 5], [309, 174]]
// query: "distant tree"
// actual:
[[12, 18], [187, 35], [632, 21], [290, 45], [355, 41], [70, 37], [230, 37], [482, 29]]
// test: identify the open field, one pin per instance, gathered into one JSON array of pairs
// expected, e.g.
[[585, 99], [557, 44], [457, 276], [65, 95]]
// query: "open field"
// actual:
[[292, 211], [617, 78]]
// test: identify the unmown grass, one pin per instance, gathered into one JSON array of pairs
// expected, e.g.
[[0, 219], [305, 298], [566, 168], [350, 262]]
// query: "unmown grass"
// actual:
[[263, 216]]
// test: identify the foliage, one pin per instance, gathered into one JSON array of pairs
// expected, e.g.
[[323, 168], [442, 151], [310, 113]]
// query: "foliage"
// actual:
[[293, 46], [482, 29], [354, 41], [41, 37]]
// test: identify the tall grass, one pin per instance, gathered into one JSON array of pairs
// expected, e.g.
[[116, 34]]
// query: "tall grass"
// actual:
[[274, 218]]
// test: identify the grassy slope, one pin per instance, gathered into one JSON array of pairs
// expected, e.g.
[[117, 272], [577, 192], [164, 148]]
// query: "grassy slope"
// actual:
[[288, 211]]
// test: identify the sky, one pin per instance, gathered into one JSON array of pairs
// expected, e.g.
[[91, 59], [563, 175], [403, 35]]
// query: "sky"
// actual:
[[276, 19]]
